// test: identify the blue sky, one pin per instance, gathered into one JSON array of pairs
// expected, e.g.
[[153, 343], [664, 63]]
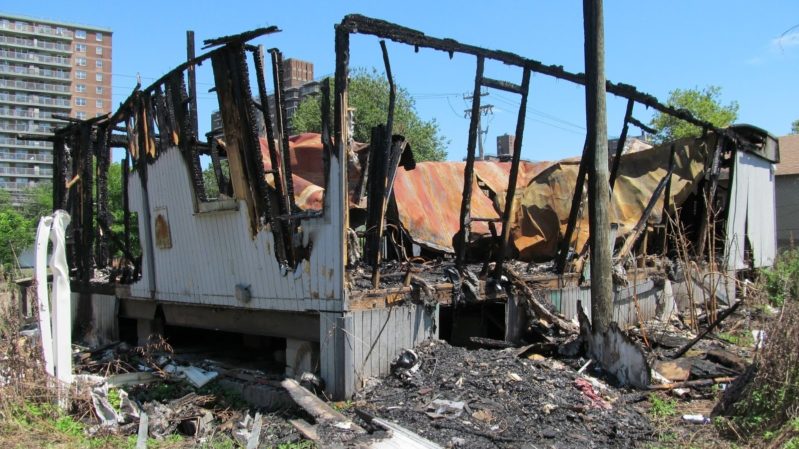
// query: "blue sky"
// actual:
[[656, 46]]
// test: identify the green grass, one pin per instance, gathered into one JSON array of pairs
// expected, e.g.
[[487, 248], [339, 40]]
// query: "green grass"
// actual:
[[662, 408], [743, 339]]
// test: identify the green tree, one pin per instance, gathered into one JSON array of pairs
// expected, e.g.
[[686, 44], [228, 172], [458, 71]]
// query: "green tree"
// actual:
[[368, 95], [16, 235], [795, 127], [704, 104], [37, 202]]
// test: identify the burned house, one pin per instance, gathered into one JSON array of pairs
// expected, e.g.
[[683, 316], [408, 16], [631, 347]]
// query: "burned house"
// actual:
[[349, 252]]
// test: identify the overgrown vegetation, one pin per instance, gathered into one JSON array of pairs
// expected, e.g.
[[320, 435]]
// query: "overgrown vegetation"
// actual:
[[782, 280], [770, 399]]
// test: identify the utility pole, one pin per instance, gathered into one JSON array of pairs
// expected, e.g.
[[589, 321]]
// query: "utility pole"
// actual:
[[598, 176], [484, 110]]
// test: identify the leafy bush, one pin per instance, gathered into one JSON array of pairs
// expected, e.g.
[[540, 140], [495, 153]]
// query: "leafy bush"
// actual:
[[767, 396], [782, 280]]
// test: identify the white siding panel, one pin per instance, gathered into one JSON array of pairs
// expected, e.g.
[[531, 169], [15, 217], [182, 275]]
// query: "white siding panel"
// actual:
[[213, 252]]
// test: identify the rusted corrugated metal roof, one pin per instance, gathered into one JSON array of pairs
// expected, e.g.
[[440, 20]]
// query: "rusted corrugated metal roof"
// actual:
[[545, 203], [429, 197]]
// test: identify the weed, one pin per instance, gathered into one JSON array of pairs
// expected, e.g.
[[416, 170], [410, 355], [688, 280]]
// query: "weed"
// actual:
[[225, 397], [662, 408], [793, 443], [782, 280], [114, 398], [739, 339], [67, 425]]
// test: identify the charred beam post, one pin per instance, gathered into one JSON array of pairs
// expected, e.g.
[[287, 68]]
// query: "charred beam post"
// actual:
[[614, 171], [271, 144], [103, 162], [282, 127], [125, 202], [629, 242], [598, 183], [667, 200], [577, 199], [177, 102], [235, 103], [192, 75], [59, 173], [514, 175], [376, 200], [708, 197], [356, 23], [468, 173], [380, 161], [86, 204], [327, 142]]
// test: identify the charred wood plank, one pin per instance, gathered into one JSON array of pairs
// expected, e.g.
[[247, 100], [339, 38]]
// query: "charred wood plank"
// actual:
[[503, 85], [639, 227], [537, 307], [577, 199], [462, 238], [620, 144], [241, 37], [271, 145], [510, 194], [712, 326]]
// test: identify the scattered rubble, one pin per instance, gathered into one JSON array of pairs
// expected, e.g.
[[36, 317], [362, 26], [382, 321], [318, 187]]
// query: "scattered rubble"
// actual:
[[493, 398]]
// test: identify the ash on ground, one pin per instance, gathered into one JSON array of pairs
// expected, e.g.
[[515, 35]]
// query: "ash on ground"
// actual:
[[494, 399]]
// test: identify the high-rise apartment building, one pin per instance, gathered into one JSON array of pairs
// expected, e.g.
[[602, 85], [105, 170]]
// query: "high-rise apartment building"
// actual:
[[47, 69]]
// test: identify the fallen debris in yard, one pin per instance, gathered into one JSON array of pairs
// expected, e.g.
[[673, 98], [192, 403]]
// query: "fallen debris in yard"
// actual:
[[544, 404]]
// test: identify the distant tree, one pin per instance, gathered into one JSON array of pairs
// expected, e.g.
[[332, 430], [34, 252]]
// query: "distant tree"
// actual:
[[368, 95], [704, 104], [16, 235], [37, 202], [795, 127]]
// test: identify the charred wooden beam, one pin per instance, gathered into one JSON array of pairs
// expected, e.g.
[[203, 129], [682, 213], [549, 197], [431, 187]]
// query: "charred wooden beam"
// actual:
[[462, 238], [667, 198], [271, 144], [187, 140], [233, 88], [708, 196], [125, 202], [502, 85], [629, 242], [356, 23], [192, 75], [637, 123], [577, 197], [282, 130], [239, 38], [375, 200], [510, 194], [103, 155], [327, 142], [620, 144], [59, 173]]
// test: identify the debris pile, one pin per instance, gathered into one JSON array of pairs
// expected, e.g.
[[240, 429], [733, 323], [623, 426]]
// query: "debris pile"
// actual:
[[150, 392], [489, 398]]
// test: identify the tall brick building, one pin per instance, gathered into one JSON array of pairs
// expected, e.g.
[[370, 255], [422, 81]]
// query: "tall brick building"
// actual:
[[46, 68]]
